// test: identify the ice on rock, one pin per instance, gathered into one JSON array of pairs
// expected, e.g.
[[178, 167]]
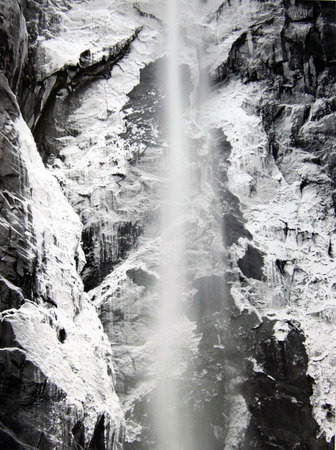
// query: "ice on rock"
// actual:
[[95, 25], [288, 226], [104, 145], [281, 330], [60, 334]]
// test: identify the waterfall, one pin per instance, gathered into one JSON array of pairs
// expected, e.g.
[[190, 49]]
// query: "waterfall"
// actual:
[[173, 244], [182, 47]]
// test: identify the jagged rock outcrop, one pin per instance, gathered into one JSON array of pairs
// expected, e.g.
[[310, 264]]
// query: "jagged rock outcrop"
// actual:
[[248, 360], [57, 378], [294, 52], [285, 59], [110, 229]]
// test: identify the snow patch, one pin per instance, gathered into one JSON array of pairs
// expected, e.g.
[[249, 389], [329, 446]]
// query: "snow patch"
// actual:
[[281, 330]]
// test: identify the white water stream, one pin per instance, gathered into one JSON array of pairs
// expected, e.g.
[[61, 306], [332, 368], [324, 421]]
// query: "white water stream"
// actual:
[[173, 244], [181, 48]]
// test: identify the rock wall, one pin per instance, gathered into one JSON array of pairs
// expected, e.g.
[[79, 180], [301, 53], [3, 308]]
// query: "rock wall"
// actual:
[[57, 376], [257, 362], [281, 68]]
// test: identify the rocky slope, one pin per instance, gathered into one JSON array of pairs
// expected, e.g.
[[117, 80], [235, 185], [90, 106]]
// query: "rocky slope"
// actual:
[[258, 340]]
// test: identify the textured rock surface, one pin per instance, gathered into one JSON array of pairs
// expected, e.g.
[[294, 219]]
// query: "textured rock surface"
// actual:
[[288, 173], [57, 379], [14, 42], [259, 338]]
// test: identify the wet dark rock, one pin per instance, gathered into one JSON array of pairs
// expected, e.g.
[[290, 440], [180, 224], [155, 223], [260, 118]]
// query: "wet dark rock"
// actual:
[[61, 335], [141, 277], [212, 296], [146, 106], [251, 264], [22, 387], [102, 258], [7, 336], [243, 354], [13, 42], [144, 109], [278, 397], [232, 223], [234, 229], [98, 440], [224, 69], [281, 265], [78, 432]]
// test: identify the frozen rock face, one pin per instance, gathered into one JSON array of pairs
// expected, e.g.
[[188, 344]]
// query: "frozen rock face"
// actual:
[[103, 179], [57, 379], [280, 174], [259, 359], [82, 134]]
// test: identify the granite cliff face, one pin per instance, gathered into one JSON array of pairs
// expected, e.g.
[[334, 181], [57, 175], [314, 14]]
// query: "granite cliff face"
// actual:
[[82, 151], [57, 377]]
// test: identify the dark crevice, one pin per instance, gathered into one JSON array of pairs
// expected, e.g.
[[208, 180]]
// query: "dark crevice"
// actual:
[[126, 237], [78, 432], [61, 335], [141, 277], [252, 263], [136, 6], [277, 394], [281, 266], [8, 441], [98, 439]]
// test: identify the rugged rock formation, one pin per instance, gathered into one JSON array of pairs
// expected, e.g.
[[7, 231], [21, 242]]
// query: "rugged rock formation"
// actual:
[[258, 363], [286, 62], [57, 379]]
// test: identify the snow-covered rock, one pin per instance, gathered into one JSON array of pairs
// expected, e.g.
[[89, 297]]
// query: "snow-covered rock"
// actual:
[[258, 339], [57, 373]]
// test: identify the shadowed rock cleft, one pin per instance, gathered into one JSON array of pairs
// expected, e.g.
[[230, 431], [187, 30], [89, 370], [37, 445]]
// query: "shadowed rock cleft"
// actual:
[[251, 264]]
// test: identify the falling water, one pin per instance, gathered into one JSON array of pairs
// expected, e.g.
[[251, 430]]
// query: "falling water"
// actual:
[[176, 207], [173, 245]]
